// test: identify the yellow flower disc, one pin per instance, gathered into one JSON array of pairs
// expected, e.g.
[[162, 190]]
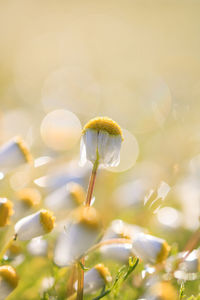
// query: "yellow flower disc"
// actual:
[[47, 220], [103, 124]]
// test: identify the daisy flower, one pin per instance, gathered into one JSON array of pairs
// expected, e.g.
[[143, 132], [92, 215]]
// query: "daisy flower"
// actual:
[[101, 142]]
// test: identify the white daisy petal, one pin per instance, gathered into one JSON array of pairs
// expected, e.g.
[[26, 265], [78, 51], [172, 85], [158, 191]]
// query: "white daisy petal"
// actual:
[[90, 139]]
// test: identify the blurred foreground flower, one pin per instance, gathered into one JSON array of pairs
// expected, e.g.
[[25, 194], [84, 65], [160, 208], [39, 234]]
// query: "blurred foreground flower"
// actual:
[[40, 223], [81, 233], [6, 210], [13, 154], [95, 279], [8, 281], [101, 142], [149, 248]]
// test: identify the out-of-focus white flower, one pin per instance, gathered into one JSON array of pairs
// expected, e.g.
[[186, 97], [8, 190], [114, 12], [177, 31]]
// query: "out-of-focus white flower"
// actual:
[[95, 279], [117, 252], [40, 223], [120, 229], [47, 283], [8, 281], [81, 233], [132, 193], [6, 211], [190, 264], [155, 197], [37, 246], [59, 175], [27, 201], [101, 142], [161, 291], [67, 197], [149, 248], [13, 154]]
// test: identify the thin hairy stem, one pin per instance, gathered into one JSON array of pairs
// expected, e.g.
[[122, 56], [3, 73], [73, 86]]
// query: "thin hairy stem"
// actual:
[[91, 184]]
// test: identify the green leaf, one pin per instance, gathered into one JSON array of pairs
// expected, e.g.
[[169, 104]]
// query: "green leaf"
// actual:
[[83, 267]]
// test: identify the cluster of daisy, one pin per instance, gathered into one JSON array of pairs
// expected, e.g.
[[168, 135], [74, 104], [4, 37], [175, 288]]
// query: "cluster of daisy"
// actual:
[[79, 232]]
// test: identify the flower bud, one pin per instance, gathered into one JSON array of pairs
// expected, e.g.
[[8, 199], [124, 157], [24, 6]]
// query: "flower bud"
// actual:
[[40, 223]]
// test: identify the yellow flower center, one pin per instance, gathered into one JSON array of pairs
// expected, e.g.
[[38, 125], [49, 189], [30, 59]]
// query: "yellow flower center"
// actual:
[[162, 255], [88, 216], [47, 220], [6, 210], [30, 197], [8, 273], [104, 272], [104, 124], [23, 147], [77, 193]]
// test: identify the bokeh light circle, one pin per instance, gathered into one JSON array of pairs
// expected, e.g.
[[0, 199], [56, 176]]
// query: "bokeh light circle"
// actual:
[[128, 154], [60, 130]]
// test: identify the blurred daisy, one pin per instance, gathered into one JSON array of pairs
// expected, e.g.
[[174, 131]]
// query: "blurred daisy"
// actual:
[[40, 223], [95, 279], [101, 142], [67, 197], [80, 234], [120, 229], [8, 281], [28, 200], [149, 248], [6, 211], [189, 264], [161, 291], [13, 154]]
